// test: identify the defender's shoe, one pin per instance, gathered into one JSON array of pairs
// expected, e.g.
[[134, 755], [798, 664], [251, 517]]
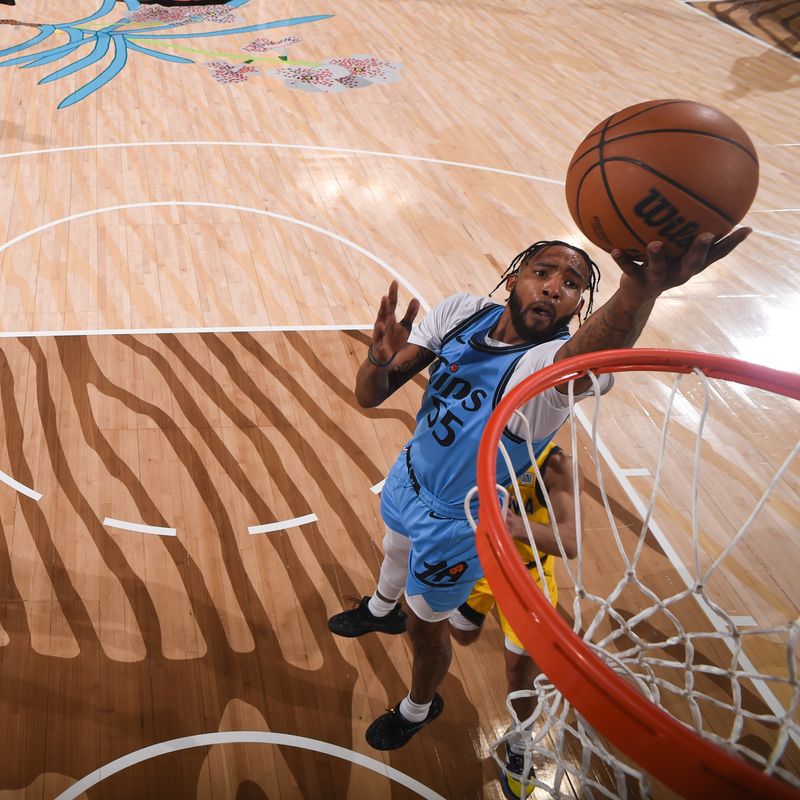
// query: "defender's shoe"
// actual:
[[393, 730], [360, 620], [512, 786]]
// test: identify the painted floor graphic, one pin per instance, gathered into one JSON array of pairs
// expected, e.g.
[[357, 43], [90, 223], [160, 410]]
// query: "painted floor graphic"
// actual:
[[151, 30]]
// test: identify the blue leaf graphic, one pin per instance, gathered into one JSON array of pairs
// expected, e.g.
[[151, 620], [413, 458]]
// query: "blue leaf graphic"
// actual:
[[113, 69], [46, 56], [106, 8], [46, 32], [158, 54], [281, 23], [168, 26], [100, 49], [55, 52], [75, 34], [76, 37], [121, 40], [111, 28]]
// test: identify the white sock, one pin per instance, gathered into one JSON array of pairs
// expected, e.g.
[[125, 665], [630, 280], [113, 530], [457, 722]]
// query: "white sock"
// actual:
[[413, 712], [517, 742], [378, 607]]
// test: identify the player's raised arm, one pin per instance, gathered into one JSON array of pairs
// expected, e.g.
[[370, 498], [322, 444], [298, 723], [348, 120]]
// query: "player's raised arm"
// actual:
[[391, 360], [620, 321]]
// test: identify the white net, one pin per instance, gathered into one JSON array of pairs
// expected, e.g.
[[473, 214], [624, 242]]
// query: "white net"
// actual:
[[685, 579]]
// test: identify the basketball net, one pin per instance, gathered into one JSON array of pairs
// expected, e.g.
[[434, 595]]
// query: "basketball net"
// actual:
[[680, 667]]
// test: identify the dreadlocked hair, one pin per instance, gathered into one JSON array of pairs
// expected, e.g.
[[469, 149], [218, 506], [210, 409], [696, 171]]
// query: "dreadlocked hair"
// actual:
[[519, 261]]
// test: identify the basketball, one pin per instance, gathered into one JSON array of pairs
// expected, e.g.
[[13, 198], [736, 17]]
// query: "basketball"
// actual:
[[663, 170]]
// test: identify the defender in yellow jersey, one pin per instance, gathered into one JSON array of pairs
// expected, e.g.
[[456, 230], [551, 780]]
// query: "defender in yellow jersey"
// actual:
[[465, 624]]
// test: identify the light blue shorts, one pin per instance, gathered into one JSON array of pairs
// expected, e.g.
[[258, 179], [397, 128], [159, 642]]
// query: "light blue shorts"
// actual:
[[443, 563]]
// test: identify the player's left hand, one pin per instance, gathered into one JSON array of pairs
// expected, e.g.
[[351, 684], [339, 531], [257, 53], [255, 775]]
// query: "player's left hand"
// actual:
[[659, 272], [389, 334]]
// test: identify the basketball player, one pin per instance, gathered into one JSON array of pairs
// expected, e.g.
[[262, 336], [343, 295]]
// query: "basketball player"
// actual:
[[466, 622], [479, 350]]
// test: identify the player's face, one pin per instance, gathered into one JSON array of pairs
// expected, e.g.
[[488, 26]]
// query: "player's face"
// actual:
[[547, 291]]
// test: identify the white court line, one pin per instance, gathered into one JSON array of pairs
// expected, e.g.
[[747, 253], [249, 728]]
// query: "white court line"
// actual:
[[245, 737], [282, 146], [669, 551], [376, 489], [772, 210], [138, 527], [282, 525], [229, 207], [20, 487], [638, 472], [223, 329]]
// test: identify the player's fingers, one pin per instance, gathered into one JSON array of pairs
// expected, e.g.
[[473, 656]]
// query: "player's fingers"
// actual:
[[655, 259], [695, 259], [725, 246], [411, 314], [408, 319], [392, 296], [383, 309], [619, 257], [625, 262]]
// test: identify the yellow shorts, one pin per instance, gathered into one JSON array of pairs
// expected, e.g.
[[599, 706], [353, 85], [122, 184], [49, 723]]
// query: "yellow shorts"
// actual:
[[481, 600]]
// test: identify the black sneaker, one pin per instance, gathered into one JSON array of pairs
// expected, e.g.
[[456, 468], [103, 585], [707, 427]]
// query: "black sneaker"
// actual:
[[510, 779], [360, 620], [392, 730]]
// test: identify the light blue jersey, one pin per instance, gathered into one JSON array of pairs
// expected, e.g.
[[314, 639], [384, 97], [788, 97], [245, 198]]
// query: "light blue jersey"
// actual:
[[466, 383]]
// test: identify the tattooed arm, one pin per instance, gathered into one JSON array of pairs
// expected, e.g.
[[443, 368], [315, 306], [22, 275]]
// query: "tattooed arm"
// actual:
[[375, 384], [390, 361], [620, 321]]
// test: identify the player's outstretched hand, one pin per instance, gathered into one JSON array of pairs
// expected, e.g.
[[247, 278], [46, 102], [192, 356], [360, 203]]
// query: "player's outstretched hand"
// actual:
[[389, 334], [660, 272]]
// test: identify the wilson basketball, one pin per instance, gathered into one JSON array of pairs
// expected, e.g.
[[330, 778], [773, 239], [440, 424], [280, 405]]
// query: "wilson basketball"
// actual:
[[663, 170]]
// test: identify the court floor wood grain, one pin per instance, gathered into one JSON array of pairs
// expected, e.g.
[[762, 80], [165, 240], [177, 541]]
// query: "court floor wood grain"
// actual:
[[115, 640]]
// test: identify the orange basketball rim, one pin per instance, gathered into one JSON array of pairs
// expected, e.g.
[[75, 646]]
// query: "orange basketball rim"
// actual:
[[671, 752]]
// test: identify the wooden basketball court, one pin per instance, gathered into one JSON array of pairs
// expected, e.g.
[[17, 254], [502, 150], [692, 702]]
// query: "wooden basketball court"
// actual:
[[193, 254]]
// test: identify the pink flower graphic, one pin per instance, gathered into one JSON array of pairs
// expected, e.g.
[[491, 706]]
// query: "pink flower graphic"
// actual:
[[225, 72], [352, 81], [183, 16], [176, 16], [266, 45], [219, 15], [365, 70], [336, 74], [324, 78]]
